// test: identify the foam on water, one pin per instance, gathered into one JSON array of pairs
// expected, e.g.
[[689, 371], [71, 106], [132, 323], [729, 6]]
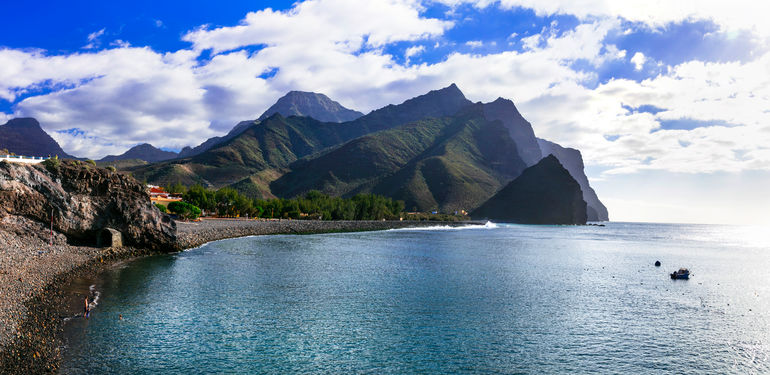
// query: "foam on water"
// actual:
[[487, 225]]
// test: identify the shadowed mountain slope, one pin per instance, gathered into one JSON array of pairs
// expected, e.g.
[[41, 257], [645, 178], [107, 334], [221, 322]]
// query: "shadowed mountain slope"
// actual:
[[545, 193], [519, 129], [24, 136], [572, 160]]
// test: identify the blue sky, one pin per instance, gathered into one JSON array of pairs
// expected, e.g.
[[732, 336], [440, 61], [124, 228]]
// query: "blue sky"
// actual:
[[647, 90]]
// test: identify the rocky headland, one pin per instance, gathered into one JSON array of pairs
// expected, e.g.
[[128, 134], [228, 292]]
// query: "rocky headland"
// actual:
[[545, 193]]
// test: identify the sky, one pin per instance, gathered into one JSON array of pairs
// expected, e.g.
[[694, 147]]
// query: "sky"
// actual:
[[668, 101]]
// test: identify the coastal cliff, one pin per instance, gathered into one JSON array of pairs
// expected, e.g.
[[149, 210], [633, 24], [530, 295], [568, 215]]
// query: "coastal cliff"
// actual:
[[80, 200]]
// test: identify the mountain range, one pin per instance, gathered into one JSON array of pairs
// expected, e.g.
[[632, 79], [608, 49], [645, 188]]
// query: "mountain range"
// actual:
[[437, 151]]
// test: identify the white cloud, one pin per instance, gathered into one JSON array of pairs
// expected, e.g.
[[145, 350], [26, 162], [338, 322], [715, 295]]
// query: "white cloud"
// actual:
[[413, 51], [474, 43], [119, 96], [125, 95], [731, 15], [327, 23], [93, 39], [711, 94], [638, 60], [120, 43]]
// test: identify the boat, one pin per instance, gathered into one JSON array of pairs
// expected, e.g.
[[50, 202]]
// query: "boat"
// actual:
[[683, 273]]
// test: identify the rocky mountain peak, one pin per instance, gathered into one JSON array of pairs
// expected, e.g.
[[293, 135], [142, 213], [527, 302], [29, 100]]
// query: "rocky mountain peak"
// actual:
[[23, 123], [311, 104], [25, 136]]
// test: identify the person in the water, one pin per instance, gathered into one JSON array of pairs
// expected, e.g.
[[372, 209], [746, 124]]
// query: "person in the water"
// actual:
[[86, 309]]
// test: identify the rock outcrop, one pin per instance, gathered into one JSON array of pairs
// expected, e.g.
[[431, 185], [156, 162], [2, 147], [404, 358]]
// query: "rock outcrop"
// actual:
[[572, 160], [545, 193], [24, 136], [80, 201]]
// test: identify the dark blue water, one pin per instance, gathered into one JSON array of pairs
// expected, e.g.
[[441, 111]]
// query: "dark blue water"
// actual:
[[511, 299]]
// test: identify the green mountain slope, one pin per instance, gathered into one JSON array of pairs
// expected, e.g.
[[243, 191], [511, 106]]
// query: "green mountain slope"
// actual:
[[275, 142], [451, 163]]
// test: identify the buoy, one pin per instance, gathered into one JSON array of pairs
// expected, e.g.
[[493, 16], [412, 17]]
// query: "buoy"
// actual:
[[657, 263]]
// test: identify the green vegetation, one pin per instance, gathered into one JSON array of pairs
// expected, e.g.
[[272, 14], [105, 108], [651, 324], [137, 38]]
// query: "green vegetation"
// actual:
[[314, 205], [161, 208], [52, 164], [111, 168], [176, 188], [185, 210], [89, 161]]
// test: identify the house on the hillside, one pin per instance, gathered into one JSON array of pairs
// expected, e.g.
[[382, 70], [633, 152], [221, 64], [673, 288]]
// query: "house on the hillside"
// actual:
[[159, 195]]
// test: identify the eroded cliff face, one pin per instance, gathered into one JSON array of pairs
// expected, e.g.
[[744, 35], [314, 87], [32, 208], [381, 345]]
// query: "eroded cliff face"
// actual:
[[82, 200]]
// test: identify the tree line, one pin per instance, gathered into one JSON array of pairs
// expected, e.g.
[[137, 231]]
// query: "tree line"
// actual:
[[228, 202]]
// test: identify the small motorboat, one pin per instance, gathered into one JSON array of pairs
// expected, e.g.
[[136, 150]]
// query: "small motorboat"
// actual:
[[683, 273]]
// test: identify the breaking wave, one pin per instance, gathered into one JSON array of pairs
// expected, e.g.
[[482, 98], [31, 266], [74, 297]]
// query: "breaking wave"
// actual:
[[487, 225]]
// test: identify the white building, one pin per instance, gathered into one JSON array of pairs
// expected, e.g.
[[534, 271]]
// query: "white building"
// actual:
[[22, 159]]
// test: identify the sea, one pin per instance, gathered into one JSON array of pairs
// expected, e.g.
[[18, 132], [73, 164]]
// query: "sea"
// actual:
[[498, 298]]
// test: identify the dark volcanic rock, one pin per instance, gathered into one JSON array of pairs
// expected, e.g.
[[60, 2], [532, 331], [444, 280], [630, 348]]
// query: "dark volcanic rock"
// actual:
[[145, 151], [545, 193], [571, 159], [84, 200], [310, 104], [24, 136]]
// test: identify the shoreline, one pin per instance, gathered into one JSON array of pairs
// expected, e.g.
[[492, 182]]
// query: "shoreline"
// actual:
[[32, 337]]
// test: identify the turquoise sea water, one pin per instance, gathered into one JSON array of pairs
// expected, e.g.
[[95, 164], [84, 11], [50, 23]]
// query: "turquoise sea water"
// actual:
[[500, 299]]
